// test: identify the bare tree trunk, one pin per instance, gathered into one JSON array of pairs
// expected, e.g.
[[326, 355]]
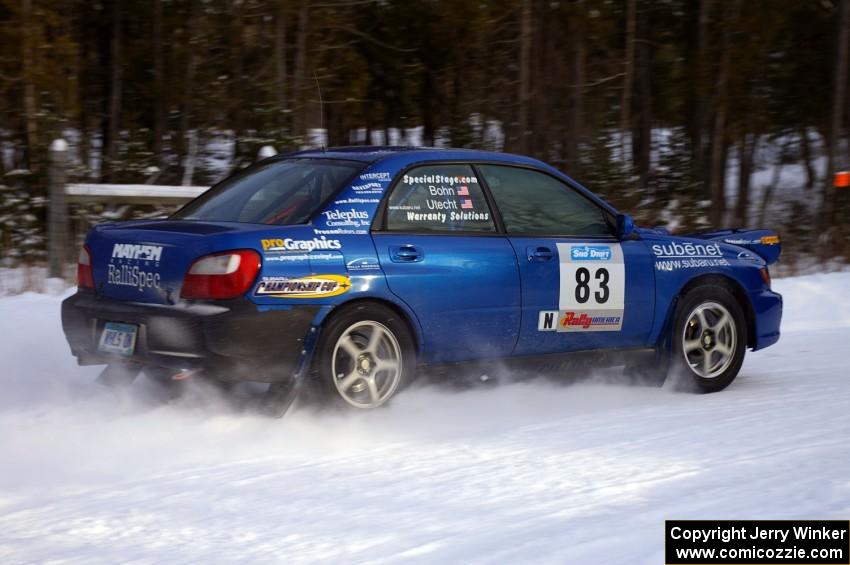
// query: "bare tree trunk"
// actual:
[[718, 145], [187, 102], [700, 102], [158, 82], [576, 129], [768, 190], [235, 110], [27, 71], [839, 93], [300, 68], [525, 38], [628, 79], [280, 60], [642, 130], [111, 145], [427, 106], [806, 154], [746, 151]]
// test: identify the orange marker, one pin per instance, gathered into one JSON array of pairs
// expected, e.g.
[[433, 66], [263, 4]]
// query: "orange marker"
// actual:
[[842, 179]]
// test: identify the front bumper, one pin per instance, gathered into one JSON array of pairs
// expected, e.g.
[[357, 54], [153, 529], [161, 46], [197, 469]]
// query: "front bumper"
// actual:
[[231, 339]]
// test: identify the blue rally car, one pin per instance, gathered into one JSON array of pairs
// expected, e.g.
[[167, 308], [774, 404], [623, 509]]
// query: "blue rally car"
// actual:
[[351, 267]]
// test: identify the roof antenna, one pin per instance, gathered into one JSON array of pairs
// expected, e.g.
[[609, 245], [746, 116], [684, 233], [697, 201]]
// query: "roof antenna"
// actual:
[[321, 111]]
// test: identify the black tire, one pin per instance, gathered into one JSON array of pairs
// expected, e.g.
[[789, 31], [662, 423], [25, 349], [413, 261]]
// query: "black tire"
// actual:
[[715, 352], [355, 324]]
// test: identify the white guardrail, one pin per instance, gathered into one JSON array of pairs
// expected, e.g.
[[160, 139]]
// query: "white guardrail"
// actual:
[[132, 193]]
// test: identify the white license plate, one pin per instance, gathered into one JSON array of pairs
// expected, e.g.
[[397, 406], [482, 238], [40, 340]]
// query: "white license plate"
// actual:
[[118, 338]]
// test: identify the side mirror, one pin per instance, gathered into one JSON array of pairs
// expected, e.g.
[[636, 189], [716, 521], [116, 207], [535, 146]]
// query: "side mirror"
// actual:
[[625, 226]]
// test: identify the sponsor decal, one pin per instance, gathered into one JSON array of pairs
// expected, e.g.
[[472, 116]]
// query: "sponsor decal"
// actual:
[[676, 264], [314, 286], [368, 188], [571, 321], [765, 240], [351, 218], [341, 231], [579, 321], [355, 200], [593, 285], [137, 252], [675, 256], [380, 176], [363, 264], [302, 257], [134, 276], [439, 179], [685, 250], [441, 217], [126, 266], [590, 253], [289, 244], [288, 258]]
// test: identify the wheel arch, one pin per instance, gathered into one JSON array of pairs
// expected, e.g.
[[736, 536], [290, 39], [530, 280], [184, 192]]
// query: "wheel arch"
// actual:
[[408, 317], [712, 279]]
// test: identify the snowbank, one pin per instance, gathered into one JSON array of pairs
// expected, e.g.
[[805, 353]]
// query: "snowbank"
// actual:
[[531, 472]]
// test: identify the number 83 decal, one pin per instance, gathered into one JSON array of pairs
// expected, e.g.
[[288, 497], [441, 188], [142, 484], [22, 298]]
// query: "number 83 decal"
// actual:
[[603, 292], [592, 277]]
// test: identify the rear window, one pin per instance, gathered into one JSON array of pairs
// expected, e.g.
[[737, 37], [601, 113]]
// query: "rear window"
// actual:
[[284, 192]]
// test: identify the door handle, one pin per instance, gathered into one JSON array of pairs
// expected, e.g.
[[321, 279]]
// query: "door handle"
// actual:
[[406, 254], [540, 254]]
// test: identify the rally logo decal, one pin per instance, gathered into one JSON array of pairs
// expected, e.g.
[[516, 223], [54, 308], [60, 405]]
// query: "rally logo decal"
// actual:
[[675, 256], [289, 244], [313, 286], [592, 289], [130, 266], [577, 321]]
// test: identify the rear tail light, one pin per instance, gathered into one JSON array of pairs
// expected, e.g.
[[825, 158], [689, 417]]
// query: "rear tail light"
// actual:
[[222, 275], [84, 274]]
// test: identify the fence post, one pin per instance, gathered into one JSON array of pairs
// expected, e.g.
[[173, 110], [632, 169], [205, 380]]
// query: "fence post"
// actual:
[[57, 216]]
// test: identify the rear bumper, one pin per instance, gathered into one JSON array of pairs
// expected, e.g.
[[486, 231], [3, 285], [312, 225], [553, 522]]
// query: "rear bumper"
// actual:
[[232, 339], [767, 308]]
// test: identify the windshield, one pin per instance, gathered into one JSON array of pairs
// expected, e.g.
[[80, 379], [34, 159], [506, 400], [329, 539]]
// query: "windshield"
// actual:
[[284, 192]]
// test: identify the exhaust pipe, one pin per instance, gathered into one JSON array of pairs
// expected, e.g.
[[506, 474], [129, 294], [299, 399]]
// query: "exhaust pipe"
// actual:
[[186, 374]]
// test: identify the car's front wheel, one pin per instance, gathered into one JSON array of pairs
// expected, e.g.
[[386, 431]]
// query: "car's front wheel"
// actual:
[[709, 339], [365, 355]]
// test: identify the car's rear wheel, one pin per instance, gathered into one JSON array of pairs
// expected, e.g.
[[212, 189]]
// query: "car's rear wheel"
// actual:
[[365, 356], [709, 340]]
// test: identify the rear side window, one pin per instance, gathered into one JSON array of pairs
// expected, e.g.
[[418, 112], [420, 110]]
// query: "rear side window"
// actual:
[[285, 192], [532, 202], [439, 198]]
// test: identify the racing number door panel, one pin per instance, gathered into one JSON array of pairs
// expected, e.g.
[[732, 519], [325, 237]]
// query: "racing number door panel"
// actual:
[[441, 254], [582, 288], [592, 294]]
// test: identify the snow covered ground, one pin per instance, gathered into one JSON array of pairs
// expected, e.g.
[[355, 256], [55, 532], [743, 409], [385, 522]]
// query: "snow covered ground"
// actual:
[[532, 472]]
